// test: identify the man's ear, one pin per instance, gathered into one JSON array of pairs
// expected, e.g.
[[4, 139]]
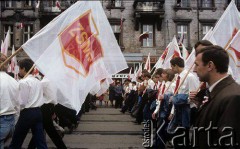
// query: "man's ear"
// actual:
[[211, 66]]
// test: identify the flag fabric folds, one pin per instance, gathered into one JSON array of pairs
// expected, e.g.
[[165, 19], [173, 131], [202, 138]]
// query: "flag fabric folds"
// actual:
[[147, 65], [76, 50], [234, 57], [226, 27], [190, 60], [185, 53], [173, 52], [5, 44], [161, 59]]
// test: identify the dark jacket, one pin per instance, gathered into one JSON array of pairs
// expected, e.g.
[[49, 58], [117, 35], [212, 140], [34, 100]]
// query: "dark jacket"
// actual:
[[221, 111]]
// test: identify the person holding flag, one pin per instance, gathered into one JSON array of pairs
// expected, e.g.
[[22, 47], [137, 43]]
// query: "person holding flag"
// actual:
[[31, 98], [180, 114], [9, 105]]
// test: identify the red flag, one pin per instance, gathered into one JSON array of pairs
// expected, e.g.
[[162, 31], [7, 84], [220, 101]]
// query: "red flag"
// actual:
[[143, 36]]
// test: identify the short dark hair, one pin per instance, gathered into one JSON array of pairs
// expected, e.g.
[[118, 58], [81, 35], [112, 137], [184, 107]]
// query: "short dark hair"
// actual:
[[217, 55], [26, 63], [177, 61], [140, 78], [170, 74], [203, 42], [158, 71], [147, 74]]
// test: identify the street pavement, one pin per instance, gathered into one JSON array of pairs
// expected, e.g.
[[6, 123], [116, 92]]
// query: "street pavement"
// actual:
[[104, 128]]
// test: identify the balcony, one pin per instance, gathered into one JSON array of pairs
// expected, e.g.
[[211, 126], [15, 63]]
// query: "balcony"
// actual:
[[50, 7], [182, 5], [148, 11], [115, 4]]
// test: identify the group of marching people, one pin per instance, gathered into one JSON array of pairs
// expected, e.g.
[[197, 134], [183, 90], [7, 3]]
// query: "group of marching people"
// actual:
[[178, 101], [31, 103]]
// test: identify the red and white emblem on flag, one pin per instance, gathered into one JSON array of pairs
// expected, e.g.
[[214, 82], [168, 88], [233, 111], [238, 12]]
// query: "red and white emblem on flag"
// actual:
[[80, 45]]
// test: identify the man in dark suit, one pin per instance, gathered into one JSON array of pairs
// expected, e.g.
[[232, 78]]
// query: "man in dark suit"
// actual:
[[218, 120]]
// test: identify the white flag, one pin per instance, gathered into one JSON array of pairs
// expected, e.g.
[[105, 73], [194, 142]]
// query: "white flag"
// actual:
[[5, 45], [104, 86], [139, 72], [148, 64], [130, 74], [76, 50], [190, 60], [208, 35], [185, 53], [226, 27], [14, 67], [173, 51], [162, 58], [234, 56]]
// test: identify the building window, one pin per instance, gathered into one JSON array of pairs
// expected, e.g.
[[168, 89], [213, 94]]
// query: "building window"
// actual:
[[206, 3], [117, 32], [10, 28], [183, 3], [205, 29], [28, 32], [116, 3], [147, 42], [182, 30], [28, 3], [9, 4]]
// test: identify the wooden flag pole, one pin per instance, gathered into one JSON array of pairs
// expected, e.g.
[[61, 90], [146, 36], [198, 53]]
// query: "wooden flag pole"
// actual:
[[184, 79], [29, 71], [198, 89], [9, 58]]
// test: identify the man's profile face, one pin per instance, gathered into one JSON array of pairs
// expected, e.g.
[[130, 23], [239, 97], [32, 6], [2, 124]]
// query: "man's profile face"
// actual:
[[21, 72], [201, 69], [174, 68]]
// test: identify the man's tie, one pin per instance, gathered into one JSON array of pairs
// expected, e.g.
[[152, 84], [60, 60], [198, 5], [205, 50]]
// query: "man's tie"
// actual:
[[177, 84]]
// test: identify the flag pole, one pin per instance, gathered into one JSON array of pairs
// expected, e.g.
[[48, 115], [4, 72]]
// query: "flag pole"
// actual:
[[9, 58], [184, 79], [33, 66]]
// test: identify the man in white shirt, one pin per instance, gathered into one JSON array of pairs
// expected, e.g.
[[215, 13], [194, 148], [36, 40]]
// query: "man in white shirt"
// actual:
[[50, 100], [9, 105], [181, 105], [31, 98]]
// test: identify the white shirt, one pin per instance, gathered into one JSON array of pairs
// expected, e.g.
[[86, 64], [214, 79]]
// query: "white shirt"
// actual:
[[49, 92], [31, 93], [150, 84], [214, 84], [168, 90], [9, 91], [191, 83]]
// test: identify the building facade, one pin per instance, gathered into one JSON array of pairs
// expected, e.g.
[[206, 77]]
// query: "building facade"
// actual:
[[162, 19]]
